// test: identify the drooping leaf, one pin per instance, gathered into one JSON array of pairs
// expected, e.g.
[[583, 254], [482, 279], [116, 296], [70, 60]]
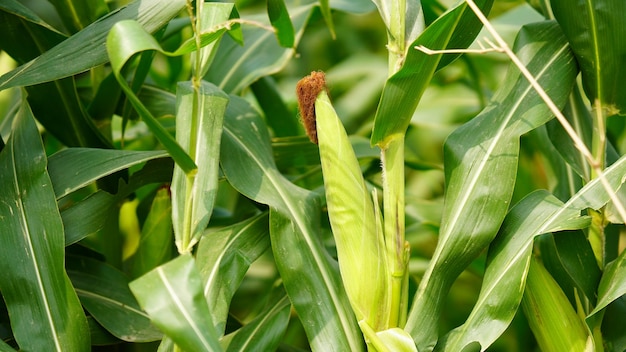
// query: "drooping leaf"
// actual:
[[54, 104], [310, 275], [480, 167], [43, 307], [104, 292], [265, 332], [86, 49], [172, 296]]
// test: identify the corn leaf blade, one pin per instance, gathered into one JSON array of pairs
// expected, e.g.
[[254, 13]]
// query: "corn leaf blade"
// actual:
[[43, 307], [480, 166]]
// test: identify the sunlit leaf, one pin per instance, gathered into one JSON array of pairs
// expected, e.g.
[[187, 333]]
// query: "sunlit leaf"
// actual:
[[480, 164], [404, 89], [86, 49], [172, 296], [310, 275]]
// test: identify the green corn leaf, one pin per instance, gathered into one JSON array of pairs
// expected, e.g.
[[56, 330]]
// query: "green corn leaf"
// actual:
[[279, 17], [570, 260], [224, 257], [89, 216], [597, 34], [86, 49], [612, 284], [328, 17], [55, 104], [232, 69], [550, 316], [509, 256], [360, 246], [413, 17], [104, 292], [404, 89], [480, 165], [44, 309], [77, 14], [74, 168], [213, 15], [310, 275], [172, 296], [199, 132], [156, 233], [265, 332]]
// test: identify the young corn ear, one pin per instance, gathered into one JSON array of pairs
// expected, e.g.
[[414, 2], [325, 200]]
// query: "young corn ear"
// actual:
[[356, 223], [551, 317]]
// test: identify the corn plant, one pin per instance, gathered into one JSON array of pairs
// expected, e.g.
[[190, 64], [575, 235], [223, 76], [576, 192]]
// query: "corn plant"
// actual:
[[459, 188]]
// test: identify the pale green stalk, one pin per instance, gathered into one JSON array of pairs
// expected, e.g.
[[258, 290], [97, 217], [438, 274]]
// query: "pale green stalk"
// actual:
[[393, 200], [196, 81], [392, 157]]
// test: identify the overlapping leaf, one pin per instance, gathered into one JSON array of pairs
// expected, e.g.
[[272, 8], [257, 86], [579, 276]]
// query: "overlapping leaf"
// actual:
[[404, 89], [43, 306], [481, 163], [86, 49], [172, 296], [310, 275], [510, 253], [597, 33], [224, 257], [104, 292]]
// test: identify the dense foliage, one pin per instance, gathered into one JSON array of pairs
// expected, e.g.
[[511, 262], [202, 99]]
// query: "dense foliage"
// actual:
[[158, 191]]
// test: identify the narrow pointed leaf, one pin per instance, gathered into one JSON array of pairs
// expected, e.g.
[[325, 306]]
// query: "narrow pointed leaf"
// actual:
[[86, 49], [224, 257], [199, 133], [279, 17], [43, 307], [55, 104], [613, 283], [310, 275], [104, 292], [481, 164], [404, 89], [172, 296]]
